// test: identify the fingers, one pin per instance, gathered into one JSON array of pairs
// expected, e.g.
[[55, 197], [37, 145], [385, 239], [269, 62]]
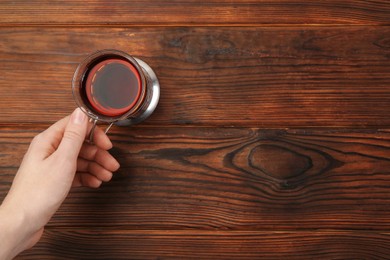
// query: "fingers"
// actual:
[[94, 169], [100, 139], [74, 135], [94, 166], [87, 180], [65, 140], [102, 157], [45, 143]]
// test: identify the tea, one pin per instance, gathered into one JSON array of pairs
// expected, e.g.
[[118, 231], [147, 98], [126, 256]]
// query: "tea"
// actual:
[[112, 87]]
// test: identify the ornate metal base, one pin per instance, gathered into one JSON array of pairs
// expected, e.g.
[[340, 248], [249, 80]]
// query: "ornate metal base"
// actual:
[[152, 97]]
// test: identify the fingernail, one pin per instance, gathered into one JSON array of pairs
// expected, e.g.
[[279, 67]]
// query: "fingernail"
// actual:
[[111, 145], [78, 117], [117, 166]]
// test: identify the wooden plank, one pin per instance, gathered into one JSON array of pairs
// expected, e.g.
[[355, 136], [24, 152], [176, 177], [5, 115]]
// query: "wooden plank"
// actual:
[[125, 244], [230, 179], [273, 77], [191, 12]]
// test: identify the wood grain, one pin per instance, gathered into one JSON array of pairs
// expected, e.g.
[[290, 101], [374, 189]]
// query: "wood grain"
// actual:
[[230, 179], [216, 76], [191, 12], [124, 244], [271, 139]]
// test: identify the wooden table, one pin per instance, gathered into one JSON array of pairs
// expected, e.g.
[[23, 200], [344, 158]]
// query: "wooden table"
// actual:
[[271, 139]]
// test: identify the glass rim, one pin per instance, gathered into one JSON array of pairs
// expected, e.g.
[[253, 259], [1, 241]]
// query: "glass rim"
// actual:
[[78, 79]]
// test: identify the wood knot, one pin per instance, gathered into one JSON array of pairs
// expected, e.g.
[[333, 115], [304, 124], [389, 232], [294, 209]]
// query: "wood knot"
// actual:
[[278, 162]]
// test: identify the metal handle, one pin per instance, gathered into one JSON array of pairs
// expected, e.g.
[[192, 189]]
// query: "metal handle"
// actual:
[[108, 127], [92, 132]]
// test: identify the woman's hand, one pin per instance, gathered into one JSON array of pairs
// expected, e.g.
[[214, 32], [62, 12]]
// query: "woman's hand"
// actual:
[[56, 160]]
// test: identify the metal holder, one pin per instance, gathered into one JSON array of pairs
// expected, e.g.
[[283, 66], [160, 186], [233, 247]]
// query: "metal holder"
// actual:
[[148, 107], [143, 109], [151, 99]]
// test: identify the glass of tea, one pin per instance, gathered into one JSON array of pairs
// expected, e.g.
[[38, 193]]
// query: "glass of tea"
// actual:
[[113, 87]]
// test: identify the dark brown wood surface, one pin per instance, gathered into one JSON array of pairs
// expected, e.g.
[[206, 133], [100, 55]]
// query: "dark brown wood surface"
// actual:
[[192, 12], [231, 179], [147, 244], [246, 76], [271, 139]]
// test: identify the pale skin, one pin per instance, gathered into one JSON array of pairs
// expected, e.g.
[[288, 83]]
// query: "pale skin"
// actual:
[[57, 160]]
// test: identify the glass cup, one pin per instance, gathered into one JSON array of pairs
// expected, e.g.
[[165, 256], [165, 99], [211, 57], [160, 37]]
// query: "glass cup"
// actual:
[[92, 73]]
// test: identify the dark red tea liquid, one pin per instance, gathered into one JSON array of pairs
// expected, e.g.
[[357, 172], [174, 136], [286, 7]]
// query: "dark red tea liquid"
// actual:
[[112, 86]]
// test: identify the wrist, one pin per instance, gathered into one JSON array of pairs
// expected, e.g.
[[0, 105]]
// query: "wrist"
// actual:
[[12, 231]]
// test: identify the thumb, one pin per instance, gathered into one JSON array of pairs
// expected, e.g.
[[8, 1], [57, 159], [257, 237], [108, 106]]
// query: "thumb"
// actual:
[[74, 135]]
